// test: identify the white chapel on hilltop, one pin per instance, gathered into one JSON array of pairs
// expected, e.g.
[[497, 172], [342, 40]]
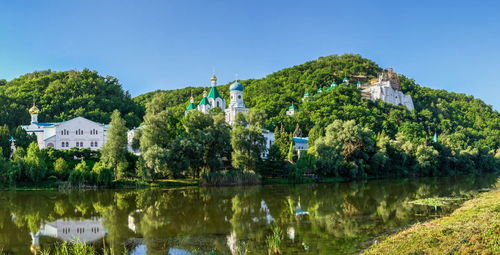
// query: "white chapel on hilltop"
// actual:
[[78, 132]]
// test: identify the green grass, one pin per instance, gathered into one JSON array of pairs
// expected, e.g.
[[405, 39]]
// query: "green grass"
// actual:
[[474, 228], [438, 201], [274, 240]]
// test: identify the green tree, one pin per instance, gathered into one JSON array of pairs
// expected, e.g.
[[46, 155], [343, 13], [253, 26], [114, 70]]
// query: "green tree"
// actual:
[[114, 152], [35, 161], [155, 158], [248, 144], [4, 141], [23, 139], [61, 167], [353, 143]]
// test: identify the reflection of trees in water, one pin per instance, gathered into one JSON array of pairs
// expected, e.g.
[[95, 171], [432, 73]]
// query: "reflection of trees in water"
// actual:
[[194, 219]]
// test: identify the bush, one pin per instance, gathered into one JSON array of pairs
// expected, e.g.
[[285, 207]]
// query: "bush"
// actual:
[[104, 174], [230, 178], [61, 168]]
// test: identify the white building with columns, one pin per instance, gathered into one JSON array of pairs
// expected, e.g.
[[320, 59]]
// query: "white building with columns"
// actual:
[[78, 132]]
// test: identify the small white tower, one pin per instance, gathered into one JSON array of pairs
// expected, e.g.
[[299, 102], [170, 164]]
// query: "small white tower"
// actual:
[[236, 104], [236, 94]]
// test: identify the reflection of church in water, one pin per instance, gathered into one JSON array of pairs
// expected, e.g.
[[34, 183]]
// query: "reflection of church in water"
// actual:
[[83, 230]]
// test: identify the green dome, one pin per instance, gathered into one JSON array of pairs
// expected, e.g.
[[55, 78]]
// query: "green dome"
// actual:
[[204, 101], [214, 93], [191, 106]]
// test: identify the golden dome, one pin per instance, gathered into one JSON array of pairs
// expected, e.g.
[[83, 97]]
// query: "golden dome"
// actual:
[[34, 110], [214, 78]]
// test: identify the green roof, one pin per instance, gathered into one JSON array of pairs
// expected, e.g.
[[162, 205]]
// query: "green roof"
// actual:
[[191, 106], [204, 101], [214, 93], [320, 90], [306, 94], [293, 107]]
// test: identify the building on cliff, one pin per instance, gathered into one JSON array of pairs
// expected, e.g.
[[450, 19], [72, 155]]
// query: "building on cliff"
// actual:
[[388, 89]]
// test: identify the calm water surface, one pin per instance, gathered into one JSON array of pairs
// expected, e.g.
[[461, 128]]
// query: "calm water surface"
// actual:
[[313, 218]]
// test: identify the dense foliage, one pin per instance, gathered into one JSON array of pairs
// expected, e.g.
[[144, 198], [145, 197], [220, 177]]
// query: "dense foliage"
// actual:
[[379, 139], [349, 137], [64, 95]]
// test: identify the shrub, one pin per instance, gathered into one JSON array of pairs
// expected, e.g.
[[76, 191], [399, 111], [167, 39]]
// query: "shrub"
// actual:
[[104, 174], [230, 178], [61, 168]]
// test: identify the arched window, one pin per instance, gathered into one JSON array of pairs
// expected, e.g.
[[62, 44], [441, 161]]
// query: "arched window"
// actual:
[[239, 96]]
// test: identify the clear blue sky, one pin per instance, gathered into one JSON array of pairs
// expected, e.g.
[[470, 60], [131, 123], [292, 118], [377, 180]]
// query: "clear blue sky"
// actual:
[[148, 45]]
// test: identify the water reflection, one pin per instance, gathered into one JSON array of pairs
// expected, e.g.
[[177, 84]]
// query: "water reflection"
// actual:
[[319, 219]]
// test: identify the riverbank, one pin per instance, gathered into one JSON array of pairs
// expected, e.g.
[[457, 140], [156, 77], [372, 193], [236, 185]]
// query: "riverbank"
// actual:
[[474, 228], [161, 183], [119, 184]]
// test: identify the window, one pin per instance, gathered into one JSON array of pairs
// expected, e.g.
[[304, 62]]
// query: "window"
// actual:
[[93, 132], [95, 144], [62, 144], [64, 132], [79, 132], [218, 104]]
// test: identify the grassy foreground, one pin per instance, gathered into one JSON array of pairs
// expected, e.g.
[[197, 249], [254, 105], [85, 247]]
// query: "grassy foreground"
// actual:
[[474, 228]]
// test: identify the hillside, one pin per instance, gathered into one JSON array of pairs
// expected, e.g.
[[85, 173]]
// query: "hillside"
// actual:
[[461, 120], [64, 95]]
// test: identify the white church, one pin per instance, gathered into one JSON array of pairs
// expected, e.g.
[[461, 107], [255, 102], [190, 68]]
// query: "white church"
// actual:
[[78, 132], [236, 105], [213, 99]]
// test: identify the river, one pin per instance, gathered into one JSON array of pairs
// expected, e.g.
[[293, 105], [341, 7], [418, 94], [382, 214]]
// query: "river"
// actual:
[[339, 218]]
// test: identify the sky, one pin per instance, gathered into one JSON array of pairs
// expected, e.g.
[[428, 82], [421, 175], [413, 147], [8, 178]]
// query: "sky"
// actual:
[[169, 44]]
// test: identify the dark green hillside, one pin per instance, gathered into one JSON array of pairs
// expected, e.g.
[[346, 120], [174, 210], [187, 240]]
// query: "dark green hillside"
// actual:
[[64, 95]]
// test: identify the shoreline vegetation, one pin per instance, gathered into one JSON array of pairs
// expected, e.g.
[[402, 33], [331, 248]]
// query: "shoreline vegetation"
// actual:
[[348, 136], [474, 228]]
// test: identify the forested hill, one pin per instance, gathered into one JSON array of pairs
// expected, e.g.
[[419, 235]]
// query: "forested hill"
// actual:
[[64, 95], [460, 120]]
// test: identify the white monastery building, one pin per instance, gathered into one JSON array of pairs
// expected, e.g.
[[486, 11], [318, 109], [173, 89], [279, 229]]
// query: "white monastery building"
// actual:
[[78, 132], [388, 89]]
